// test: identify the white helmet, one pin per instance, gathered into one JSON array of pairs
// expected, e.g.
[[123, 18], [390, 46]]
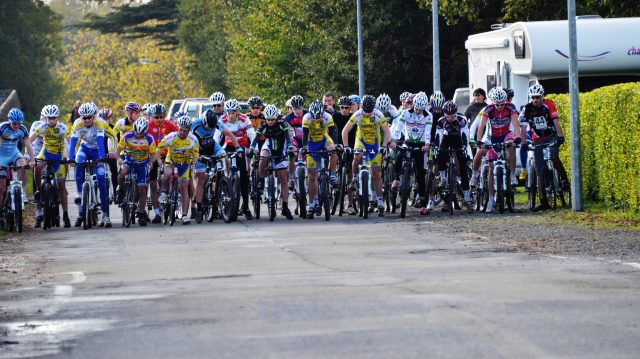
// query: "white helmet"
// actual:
[[231, 105], [271, 112], [217, 98], [420, 101], [87, 109], [498, 95], [140, 126], [184, 121], [50, 111], [404, 96], [536, 90], [437, 99], [383, 102]]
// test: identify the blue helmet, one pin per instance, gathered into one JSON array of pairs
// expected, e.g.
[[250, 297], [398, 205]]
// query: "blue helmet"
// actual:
[[355, 99], [15, 115]]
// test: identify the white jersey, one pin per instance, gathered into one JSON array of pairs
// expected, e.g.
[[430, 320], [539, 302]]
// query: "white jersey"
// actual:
[[415, 127], [37, 144]]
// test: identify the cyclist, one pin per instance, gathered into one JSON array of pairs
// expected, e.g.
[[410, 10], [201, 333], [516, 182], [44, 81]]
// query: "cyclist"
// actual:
[[436, 101], [204, 130], [158, 128], [36, 145], [294, 120], [256, 117], [390, 112], [182, 150], [91, 132], [217, 99], [278, 141], [404, 103], [544, 128], [243, 133], [139, 149], [13, 132], [124, 124], [453, 134], [369, 122], [106, 115], [415, 124], [319, 131], [54, 147], [500, 116], [340, 119], [355, 103]]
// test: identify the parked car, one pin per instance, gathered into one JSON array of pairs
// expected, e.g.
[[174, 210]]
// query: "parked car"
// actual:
[[194, 106], [174, 107]]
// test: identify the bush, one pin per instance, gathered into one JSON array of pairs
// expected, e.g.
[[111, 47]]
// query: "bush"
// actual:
[[610, 141]]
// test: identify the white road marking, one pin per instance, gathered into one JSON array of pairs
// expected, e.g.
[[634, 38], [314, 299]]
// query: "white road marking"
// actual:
[[632, 264]]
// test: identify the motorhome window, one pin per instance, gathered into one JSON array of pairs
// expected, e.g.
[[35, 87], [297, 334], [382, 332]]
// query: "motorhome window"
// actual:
[[518, 44], [491, 81]]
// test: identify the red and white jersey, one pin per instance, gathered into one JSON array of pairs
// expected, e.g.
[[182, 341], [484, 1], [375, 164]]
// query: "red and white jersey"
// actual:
[[242, 129]]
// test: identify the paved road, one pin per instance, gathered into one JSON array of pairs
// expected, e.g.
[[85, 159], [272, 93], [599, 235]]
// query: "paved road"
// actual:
[[384, 288]]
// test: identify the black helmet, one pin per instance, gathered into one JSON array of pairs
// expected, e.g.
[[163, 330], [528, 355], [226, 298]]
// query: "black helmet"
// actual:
[[450, 108], [509, 92], [297, 101], [344, 101], [255, 101], [211, 118], [368, 103]]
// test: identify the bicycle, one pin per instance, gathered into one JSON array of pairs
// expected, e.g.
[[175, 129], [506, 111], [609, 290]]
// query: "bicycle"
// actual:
[[48, 194], [300, 188], [365, 182], [389, 194], [501, 182], [234, 181], [325, 195], [406, 175], [452, 192], [12, 206], [549, 180], [89, 200], [340, 190], [129, 203], [172, 208], [482, 190]]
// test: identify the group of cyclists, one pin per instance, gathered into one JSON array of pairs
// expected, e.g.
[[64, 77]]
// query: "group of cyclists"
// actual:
[[156, 145]]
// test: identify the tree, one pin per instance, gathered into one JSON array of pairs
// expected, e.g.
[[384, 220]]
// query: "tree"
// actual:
[[30, 46], [105, 68]]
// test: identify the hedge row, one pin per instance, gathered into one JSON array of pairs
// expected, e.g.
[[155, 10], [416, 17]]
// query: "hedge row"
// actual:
[[610, 140]]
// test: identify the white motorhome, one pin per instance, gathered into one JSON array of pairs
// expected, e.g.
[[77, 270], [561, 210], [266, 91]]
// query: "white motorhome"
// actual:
[[520, 54]]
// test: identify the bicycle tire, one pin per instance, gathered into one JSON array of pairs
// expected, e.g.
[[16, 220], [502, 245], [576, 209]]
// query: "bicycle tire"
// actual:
[[86, 197], [364, 198], [44, 203], [405, 189], [551, 182], [271, 204], [532, 181], [173, 204], [209, 201], [336, 193], [256, 194], [325, 196], [235, 186], [342, 186], [124, 206], [17, 214], [55, 206], [558, 188], [302, 192], [225, 198], [393, 194], [499, 189]]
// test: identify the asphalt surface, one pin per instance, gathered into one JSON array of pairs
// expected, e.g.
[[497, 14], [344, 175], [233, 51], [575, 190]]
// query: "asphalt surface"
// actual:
[[350, 288]]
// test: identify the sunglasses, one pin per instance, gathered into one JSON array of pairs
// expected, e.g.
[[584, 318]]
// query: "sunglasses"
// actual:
[[88, 118], [157, 117], [501, 104], [52, 118], [271, 119], [219, 105], [536, 97], [256, 108], [298, 108], [345, 107]]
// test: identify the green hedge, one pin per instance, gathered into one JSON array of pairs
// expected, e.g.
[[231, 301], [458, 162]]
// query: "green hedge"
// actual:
[[610, 140]]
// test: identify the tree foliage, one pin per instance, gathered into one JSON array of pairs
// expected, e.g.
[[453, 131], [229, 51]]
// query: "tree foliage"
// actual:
[[30, 46], [105, 68]]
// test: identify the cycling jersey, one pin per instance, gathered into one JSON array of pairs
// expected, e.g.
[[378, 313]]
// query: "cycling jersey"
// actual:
[[241, 128], [9, 150], [206, 141], [277, 135], [256, 121], [415, 127], [136, 149], [540, 121], [92, 137], [368, 127], [457, 129], [54, 138], [500, 120], [180, 150], [318, 128], [122, 126], [158, 132], [296, 125], [37, 143]]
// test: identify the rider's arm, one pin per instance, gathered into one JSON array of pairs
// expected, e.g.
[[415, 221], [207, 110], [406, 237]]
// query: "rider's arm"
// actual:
[[481, 126], [73, 145], [251, 132], [305, 136], [516, 124], [387, 135], [345, 133], [27, 144], [556, 123], [231, 137], [427, 129], [256, 138]]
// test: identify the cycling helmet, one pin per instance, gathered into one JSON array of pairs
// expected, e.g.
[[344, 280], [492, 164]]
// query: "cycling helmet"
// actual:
[[211, 118], [344, 101], [437, 99], [498, 96], [95, 107], [450, 108], [158, 109], [180, 114], [355, 99], [297, 101], [146, 106], [536, 90], [140, 126], [271, 112], [86, 109], [105, 113], [217, 98], [132, 106], [404, 96], [231, 105], [184, 121], [15, 115], [509, 92], [149, 111], [255, 101], [383, 102], [368, 103], [420, 101], [316, 109], [50, 111], [288, 103]]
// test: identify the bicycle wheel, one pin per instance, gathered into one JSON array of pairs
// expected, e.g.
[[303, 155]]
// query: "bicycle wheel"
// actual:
[[532, 182], [271, 203], [405, 189], [44, 202], [17, 213], [551, 185], [558, 188], [336, 193], [126, 211], [393, 195], [499, 188], [302, 192], [173, 204], [86, 202], [226, 199], [209, 204], [364, 198], [256, 199], [235, 185], [325, 196]]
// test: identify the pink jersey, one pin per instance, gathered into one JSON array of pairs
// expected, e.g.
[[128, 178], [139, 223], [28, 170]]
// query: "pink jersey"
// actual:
[[499, 119]]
